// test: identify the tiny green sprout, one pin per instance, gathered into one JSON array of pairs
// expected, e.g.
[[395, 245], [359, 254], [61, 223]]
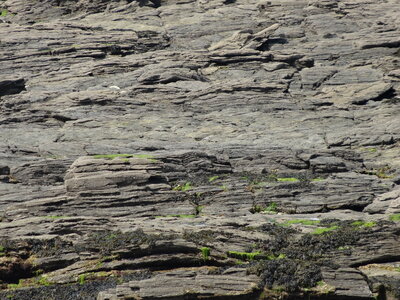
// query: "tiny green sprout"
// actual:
[[82, 279], [205, 251], [211, 179], [3, 12], [183, 188]]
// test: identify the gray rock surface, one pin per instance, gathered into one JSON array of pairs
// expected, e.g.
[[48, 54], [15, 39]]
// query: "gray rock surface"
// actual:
[[170, 149]]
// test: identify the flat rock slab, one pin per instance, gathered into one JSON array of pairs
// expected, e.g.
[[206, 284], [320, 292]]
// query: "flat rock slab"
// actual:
[[348, 283], [188, 284]]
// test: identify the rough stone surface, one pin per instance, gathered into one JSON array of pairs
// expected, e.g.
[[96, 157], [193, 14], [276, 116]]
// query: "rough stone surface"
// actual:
[[171, 149]]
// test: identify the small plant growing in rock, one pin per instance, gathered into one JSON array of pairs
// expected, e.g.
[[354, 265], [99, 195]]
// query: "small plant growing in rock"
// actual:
[[82, 278], [183, 187], [205, 251], [198, 209], [271, 208], [211, 179], [224, 188], [42, 280]]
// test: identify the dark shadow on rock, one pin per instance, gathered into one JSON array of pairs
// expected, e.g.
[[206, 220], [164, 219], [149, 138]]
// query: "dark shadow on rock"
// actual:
[[10, 87]]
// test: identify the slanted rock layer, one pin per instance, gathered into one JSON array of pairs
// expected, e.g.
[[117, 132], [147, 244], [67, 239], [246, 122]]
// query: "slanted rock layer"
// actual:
[[170, 149]]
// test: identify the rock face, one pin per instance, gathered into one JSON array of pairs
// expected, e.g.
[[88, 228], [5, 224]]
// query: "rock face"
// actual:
[[168, 149]]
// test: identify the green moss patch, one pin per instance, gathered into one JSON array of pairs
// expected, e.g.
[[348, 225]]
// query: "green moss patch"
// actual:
[[395, 218], [243, 255], [325, 229], [363, 224], [36, 281], [287, 179], [302, 222], [271, 208]]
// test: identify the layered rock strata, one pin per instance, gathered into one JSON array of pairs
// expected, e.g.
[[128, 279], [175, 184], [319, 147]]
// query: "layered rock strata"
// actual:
[[172, 149]]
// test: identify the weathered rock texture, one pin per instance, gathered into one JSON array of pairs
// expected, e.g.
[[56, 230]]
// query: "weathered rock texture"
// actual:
[[199, 149]]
